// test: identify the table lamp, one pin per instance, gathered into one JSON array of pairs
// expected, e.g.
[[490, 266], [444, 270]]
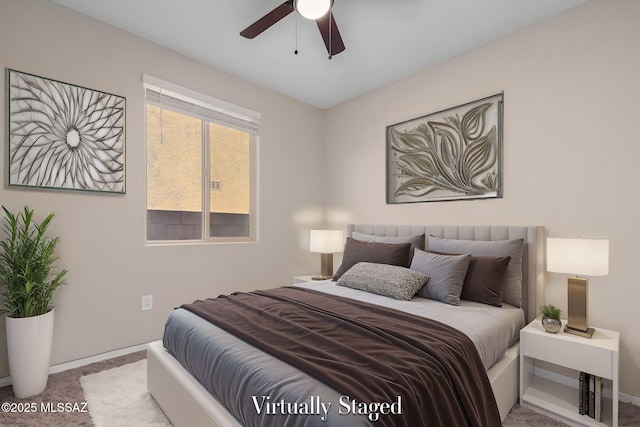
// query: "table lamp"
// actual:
[[326, 242], [586, 257]]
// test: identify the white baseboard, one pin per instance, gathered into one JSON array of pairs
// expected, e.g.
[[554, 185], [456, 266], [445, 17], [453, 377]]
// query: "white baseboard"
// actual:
[[5, 381], [627, 398]]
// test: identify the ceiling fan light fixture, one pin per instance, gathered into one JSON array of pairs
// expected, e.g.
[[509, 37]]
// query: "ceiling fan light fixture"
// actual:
[[313, 9]]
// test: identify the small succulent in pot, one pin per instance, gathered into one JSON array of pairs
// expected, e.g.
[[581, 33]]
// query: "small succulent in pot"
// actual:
[[551, 318]]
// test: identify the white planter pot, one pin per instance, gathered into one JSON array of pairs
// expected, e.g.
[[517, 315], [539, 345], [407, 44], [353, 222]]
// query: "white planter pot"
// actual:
[[29, 341]]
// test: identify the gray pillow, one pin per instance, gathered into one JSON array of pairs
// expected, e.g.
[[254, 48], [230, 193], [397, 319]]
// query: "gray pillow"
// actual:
[[384, 279], [446, 275], [512, 288], [416, 241]]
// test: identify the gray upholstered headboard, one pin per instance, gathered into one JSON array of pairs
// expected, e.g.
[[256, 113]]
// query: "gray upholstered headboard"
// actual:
[[532, 263]]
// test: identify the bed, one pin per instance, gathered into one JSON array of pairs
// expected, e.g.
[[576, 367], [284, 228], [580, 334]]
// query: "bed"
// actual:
[[187, 402]]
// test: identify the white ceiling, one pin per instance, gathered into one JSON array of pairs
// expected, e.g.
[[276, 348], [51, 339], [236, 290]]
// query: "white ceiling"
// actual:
[[385, 39]]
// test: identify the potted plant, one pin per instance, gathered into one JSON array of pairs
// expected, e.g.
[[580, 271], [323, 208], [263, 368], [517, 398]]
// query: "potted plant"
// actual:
[[551, 318], [26, 266]]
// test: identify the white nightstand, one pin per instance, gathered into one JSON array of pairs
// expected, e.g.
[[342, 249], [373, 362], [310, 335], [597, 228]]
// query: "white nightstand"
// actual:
[[556, 393], [303, 279]]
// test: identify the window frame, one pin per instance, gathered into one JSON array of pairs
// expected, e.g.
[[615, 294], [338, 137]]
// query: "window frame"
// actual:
[[209, 110]]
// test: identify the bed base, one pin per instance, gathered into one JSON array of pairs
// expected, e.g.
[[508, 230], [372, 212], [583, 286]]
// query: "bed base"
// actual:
[[182, 398], [187, 403]]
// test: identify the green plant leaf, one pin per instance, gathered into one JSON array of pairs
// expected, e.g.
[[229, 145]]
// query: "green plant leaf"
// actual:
[[27, 263], [550, 311]]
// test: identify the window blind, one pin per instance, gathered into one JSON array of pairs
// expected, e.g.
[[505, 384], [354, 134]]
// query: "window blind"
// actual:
[[170, 96]]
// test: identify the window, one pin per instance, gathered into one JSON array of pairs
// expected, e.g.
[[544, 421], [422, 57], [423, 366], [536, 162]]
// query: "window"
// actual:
[[201, 167]]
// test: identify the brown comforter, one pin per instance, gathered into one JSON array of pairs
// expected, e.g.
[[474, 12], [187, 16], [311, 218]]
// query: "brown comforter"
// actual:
[[426, 370]]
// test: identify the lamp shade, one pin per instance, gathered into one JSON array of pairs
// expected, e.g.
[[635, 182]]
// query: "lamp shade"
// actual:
[[586, 257], [313, 9], [326, 241]]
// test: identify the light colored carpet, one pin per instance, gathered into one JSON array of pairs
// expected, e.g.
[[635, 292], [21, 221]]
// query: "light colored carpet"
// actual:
[[63, 387], [119, 397]]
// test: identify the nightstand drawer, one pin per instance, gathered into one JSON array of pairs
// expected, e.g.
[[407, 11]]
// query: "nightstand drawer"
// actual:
[[575, 355]]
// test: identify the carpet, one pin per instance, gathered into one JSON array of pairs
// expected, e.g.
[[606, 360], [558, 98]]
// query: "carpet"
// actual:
[[62, 388], [119, 397]]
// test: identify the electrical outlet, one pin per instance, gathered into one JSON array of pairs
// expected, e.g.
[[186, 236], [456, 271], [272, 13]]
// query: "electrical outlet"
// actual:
[[147, 302]]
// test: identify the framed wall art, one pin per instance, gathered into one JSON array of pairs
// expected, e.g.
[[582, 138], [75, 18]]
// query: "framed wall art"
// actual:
[[64, 136], [453, 154]]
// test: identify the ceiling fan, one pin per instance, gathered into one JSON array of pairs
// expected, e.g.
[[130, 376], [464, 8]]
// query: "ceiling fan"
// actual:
[[317, 10]]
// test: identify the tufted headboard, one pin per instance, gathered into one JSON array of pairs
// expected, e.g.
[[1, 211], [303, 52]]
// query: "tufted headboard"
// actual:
[[533, 256]]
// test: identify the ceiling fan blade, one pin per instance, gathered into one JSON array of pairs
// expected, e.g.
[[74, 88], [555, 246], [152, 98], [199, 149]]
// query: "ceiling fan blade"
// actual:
[[268, 20], [330, 34]]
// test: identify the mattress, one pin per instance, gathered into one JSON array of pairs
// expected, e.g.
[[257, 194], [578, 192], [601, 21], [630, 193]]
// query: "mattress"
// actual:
[[220, 361]]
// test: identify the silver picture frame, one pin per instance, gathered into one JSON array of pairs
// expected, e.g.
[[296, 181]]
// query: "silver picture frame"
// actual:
[[63, 136], [453, 154]]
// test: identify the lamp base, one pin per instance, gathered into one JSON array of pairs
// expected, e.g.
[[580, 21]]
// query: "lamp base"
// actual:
[[577, 308], [585, 333], [326, 267]]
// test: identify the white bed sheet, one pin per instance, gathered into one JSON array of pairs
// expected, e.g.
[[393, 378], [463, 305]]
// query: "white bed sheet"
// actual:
[[492, 329]]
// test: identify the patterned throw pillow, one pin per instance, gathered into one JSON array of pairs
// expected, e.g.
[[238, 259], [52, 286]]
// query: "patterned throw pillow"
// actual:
[[384, 279]]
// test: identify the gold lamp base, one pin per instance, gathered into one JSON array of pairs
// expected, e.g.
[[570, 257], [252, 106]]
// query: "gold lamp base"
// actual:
[[577, 305], [326, 267], [588, 333]]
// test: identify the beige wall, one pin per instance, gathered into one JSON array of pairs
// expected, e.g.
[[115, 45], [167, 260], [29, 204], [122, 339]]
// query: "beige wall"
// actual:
[[103, 235], [571, 147]]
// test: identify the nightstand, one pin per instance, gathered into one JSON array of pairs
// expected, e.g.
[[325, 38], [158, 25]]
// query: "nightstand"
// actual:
[[303, 279], [550, 365]]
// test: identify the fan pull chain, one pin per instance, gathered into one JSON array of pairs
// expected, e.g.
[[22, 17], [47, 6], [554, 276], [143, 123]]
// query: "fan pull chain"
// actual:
[[295, 52], [330, 44]]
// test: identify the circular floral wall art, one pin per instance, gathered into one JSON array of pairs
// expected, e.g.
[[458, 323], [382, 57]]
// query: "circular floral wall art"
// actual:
[[65, 136]]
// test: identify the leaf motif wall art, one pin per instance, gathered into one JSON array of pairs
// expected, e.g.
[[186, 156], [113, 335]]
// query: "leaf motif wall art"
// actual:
[[449, 155], [64, 136]]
